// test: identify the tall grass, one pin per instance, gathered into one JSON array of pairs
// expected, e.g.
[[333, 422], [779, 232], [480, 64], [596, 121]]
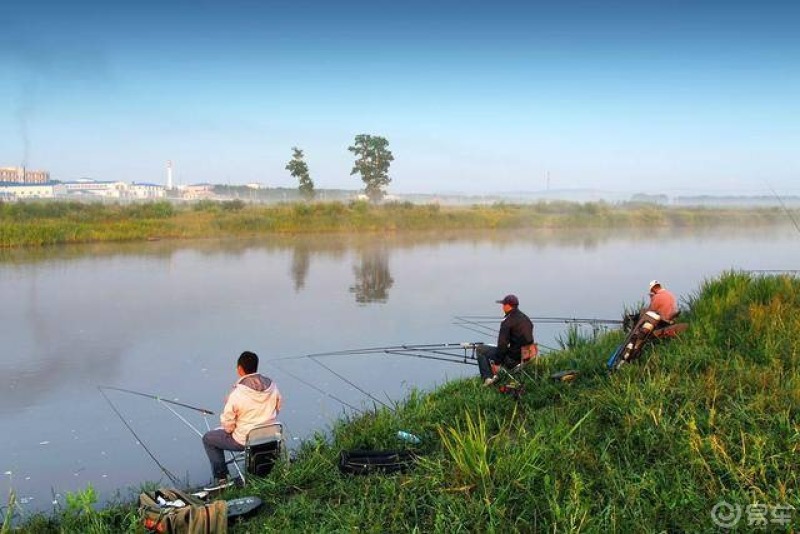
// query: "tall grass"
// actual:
[[47, 223], [8, 512]]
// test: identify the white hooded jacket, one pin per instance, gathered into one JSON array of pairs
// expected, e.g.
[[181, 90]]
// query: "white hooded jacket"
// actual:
[[255, 400]]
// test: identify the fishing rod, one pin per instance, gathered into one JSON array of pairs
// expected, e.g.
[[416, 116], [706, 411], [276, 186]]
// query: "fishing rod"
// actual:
[[165, 403], [343, 378], [429, 357], [159, 399], [478, 328], [785, 209], [485, 319], [164, 470], [374, 350], [315, 388]]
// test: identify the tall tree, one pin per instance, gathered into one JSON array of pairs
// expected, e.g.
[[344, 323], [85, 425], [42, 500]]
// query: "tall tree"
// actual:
[[298, 168], [373, 158]]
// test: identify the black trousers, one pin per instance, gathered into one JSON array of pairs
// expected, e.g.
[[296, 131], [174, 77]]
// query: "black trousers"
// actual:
[[486, 356]]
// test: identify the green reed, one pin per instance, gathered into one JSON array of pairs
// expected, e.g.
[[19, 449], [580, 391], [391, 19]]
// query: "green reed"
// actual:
[[48, 223]]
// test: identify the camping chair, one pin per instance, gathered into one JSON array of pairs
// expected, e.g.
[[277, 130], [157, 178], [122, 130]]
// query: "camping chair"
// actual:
[[263, 447], [529, 353]]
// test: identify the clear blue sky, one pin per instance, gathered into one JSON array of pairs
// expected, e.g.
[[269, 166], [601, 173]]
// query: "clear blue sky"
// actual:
[[474, 96]]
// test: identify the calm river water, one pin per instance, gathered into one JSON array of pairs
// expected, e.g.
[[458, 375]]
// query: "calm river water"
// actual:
[[170, 318]]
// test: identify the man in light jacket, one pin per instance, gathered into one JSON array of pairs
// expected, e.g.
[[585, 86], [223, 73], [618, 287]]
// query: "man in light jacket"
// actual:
[[255, 400]]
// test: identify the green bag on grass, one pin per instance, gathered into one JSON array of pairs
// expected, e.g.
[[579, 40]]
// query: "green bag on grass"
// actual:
[[171, 511]]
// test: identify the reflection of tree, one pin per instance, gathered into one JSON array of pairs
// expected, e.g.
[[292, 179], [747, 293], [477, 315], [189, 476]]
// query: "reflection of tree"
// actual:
[[301, 259], [373, 279]]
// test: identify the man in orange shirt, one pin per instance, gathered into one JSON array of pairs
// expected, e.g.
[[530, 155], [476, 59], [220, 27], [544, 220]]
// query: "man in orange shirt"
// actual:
[[662, 302]]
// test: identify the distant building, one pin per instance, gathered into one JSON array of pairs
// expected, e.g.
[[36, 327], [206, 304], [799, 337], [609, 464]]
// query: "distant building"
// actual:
[[145, 191], [16, 191], [96, 188], [196, 191], [21, 175]]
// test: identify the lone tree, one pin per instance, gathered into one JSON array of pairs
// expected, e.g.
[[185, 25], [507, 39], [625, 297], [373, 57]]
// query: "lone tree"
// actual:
[[298, 168], [373, 158]]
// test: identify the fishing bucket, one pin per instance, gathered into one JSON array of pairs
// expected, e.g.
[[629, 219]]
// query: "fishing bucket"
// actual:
[[171, 511]]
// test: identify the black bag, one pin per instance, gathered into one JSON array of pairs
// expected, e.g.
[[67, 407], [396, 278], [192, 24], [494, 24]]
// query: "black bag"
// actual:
[[361, 462]]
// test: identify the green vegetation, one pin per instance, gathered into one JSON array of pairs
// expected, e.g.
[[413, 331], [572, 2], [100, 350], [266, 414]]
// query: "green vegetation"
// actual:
[[298, 168], [710, 417], [50, 223], [373, 159]]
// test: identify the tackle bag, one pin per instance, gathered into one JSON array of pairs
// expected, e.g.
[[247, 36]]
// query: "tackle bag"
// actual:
[[171, 511], [361, 462]]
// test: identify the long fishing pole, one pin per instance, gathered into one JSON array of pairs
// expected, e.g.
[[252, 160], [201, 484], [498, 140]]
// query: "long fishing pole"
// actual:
[[343, 378], [318, 389], [166, 471], [182, 418], [373, 350], [486, 319], [478, 328], [785, 209], [159, 399], [428, 357]]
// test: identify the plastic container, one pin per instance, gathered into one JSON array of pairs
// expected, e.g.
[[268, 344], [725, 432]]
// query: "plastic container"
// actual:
[[407, 437]]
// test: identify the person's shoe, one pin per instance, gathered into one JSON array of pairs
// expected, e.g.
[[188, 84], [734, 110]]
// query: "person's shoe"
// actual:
[[490, 381], [219, 485]]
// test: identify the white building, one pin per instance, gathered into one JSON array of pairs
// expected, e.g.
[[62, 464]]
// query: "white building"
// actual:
[[144, 191], [10, 191], [96, 188], [197, 191]]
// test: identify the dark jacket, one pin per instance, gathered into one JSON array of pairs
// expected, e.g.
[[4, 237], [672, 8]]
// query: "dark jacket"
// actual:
[[516, 331]]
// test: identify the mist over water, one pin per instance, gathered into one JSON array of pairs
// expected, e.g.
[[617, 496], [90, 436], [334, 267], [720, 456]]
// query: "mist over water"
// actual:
[[171, 318]]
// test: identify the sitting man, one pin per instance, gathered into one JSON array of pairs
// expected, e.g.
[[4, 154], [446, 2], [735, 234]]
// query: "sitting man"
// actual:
[[662, 302], [516, 334], [255, 400]]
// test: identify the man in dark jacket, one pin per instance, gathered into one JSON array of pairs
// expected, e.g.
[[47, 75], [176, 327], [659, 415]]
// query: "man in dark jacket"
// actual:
[[516, 333]]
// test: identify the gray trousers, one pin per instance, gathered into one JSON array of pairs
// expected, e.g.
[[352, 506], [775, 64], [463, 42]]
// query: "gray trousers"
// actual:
[[216, 443]]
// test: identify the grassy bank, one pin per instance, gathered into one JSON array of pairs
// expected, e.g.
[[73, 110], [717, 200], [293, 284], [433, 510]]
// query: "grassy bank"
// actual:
[[49, 223], [711, 417]]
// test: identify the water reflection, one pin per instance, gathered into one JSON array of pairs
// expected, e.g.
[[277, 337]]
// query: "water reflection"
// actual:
[[337, 245], [373, 279], [301, 260]]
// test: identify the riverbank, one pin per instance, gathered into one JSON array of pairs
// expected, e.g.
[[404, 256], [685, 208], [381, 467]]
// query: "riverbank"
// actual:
[[31, 224], [709, 418]]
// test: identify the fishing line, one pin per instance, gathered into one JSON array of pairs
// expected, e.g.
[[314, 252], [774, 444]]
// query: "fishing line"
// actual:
[[348, 381], [424, 357], [166, 471], [179, 416], [157, 398], [486, 319], [785, 209], [370, 350], [315, 388]]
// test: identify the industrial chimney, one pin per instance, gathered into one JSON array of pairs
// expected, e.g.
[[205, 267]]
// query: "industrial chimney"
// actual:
[[169, 175]]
